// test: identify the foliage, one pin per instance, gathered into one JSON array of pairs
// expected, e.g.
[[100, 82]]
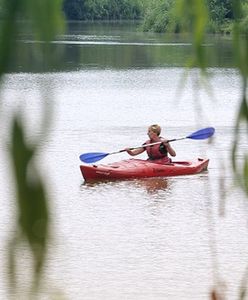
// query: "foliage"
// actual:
[[224, 28], [240, 40], [197, 17], [33, 215], [74, 9], [244, 17], [32, 223], [192, 16], [162, 16], [220, 15], [195, 20], [45, 19], [157, 16], [220, 10], [102, 9]]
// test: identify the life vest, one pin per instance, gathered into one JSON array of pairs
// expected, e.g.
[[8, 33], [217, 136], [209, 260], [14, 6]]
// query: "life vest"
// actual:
[[157, 151]]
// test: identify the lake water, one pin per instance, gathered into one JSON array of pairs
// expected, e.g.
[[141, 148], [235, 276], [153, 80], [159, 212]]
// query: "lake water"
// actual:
[[164, 238]]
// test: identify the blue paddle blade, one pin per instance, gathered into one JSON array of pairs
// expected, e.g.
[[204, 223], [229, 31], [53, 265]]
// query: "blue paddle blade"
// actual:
[[92, 157], [202, 134]]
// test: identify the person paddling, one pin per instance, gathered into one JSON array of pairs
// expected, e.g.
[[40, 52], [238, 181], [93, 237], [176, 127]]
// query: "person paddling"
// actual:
[[154, 152]]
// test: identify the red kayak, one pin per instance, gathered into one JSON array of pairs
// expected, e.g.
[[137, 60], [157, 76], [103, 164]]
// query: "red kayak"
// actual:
[[138, 168]]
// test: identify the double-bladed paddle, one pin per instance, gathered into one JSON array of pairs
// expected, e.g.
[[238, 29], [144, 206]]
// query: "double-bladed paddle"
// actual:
[[201, 134]]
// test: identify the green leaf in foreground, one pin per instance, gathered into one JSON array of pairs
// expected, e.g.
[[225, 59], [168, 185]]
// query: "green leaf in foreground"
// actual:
[[32, 214]]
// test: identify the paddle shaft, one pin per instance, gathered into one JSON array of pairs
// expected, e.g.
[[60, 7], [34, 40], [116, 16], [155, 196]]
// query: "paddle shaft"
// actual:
[[148, 145]]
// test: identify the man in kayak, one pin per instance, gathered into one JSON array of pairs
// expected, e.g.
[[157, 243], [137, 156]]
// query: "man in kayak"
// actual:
[[159, 151]]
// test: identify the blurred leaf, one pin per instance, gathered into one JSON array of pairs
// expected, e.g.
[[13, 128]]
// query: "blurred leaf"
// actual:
[[214, 295], [245, 175], [241, 174], [243, 294], [31, 200], [46, 17], [192, 16], [240, 38], [32, 225]]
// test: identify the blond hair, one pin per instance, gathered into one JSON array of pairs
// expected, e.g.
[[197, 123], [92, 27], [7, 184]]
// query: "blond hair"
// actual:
[[155, 128]]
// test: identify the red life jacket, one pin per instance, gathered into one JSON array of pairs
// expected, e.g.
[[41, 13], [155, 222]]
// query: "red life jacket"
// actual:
[[156, 151]]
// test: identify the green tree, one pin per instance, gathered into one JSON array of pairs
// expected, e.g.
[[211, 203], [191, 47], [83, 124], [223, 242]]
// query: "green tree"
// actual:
[[74, 9], [102, 9], [219, 10], [157, 16]]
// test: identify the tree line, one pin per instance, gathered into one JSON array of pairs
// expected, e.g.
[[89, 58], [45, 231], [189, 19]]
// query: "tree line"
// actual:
[[155, 15], [102, 9]]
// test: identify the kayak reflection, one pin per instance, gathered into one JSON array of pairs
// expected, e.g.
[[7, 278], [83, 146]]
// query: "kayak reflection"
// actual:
[[153, 185]]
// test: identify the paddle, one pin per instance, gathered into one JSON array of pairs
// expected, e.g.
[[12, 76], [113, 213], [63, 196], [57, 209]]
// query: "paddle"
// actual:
[[197, 135]]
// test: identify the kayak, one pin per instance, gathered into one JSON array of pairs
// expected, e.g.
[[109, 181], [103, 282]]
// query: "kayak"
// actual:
[[138, 168]]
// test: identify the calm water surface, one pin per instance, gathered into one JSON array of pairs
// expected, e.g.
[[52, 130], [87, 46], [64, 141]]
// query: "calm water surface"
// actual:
[[163, 238]]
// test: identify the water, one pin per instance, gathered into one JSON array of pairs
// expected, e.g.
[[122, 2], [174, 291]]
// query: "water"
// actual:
[[163, 238]]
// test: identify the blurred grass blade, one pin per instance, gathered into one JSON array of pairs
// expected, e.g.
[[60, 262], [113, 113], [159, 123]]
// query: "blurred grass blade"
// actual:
[[33, 216], [192, 16]]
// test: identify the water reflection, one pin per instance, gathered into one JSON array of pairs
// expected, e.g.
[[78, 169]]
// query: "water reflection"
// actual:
[[151, 185], [150, 195], [117, 46]]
